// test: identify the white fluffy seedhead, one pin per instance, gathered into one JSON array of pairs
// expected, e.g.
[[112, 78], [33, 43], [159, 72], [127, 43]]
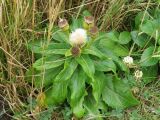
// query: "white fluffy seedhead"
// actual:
[[78, 37]]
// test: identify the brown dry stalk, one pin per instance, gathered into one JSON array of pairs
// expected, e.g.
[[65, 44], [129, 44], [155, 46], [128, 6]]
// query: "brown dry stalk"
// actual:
[[0, 13], [53, 12]]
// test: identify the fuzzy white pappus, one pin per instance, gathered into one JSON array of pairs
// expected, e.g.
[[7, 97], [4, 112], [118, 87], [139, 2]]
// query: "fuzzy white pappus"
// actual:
[[78, 37]]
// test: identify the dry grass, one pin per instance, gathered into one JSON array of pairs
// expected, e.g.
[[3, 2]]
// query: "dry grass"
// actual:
[[24, 20]]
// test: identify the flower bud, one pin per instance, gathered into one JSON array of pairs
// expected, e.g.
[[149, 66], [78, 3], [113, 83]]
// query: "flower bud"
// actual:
[[93, 32], [88, 22], [41, 99], [63, 24], [75, 51]]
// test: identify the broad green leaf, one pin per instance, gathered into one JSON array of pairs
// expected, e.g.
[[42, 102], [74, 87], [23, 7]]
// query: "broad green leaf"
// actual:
[[42, 47], [120, 64], [54, 51], [149, 73], [36, 45], [105, 65], [60, 36], [68, 53], [103, 106], [117, 94], [158, 1], [42, 78], [107, 43], [141, 16], [109, 53], [124, 37], [141, 39], [101, 35], [113, 35], [69, 68], [57, 93], [148, 28], [48, 62], [55, 48], [118, 49], [157, 12], [78, 92], [92, 108], [54, 45], [87, 65], [76, 23], [86, 13], [94, 51], [147, 59], [98, 85], [151, 28]]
